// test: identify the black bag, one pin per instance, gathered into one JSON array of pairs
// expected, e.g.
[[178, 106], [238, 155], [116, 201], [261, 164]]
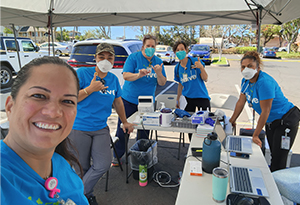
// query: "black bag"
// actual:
[[291, 118], [237, 199]]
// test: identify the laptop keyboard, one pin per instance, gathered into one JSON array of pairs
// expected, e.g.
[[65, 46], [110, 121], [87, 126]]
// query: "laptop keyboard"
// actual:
[[235, 144], [241, 179]]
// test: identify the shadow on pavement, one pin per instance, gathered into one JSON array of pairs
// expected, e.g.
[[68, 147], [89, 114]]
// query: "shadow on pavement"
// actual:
[[121, 193]]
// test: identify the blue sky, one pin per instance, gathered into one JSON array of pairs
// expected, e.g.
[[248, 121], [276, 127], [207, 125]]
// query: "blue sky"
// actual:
[[116, 31]]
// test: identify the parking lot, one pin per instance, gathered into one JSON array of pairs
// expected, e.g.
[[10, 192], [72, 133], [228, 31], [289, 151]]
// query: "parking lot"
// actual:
[[220, 80]]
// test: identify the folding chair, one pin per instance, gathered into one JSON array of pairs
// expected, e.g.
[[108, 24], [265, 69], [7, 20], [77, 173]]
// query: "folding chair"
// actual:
[[113, 141], [223, 101], [4, 129]]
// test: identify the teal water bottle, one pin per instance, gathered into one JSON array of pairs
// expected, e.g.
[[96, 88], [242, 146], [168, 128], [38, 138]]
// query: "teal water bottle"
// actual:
[[211, 152], [143, 175]]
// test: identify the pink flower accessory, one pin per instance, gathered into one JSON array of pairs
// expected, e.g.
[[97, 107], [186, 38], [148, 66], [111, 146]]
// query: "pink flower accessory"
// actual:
[[51, 184]]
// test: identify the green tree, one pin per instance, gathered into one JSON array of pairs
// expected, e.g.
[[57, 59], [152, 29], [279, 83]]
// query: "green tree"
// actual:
[[7, 31], [64, 36], [268, 31], [290, 32]]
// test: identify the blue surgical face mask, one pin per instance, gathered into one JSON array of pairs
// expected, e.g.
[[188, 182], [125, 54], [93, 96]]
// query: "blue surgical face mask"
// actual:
[[181, 54], [149, 51]]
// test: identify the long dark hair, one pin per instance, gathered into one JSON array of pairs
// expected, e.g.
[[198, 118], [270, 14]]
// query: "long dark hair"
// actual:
[[21, 79]]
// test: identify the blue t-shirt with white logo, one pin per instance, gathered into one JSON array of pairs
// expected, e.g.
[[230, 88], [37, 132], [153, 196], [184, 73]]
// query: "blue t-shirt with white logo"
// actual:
[[20, 184], [93, 111], [144, 86], [193, 85], [263, 89]]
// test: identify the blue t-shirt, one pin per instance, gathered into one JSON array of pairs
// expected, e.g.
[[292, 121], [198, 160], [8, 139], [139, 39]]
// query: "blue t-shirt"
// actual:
[[93, 111], [145, 85], [193, 85], [266, 88], [20, 184]]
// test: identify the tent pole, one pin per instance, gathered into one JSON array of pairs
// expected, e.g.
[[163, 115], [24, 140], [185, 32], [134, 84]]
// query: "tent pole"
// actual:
[[258, 27], [17, 45], [50, 24]]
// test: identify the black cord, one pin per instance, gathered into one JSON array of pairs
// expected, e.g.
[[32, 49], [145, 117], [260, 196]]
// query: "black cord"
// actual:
[[194, 157]]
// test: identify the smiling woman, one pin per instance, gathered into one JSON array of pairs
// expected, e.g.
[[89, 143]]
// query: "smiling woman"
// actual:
[[41, 114]]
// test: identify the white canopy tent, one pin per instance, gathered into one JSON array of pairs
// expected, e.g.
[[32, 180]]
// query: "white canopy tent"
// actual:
[[146, 13], [60, 13]]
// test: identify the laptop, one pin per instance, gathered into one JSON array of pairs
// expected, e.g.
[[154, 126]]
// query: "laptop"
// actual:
[[247, 181], [238, 144], [244, 180]]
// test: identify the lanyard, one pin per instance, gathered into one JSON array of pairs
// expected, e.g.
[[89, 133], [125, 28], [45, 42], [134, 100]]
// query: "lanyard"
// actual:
[[51, 184]]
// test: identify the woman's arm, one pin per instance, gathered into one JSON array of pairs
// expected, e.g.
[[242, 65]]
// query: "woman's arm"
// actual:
[[134, 76], [94, 86], [161, 79], [179, 92], [119, 106], [238, 109], [203, 73], [265, 106]]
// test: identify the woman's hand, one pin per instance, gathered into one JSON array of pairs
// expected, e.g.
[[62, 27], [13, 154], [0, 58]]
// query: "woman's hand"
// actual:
[[257, 141], [96, 85], [143, 72], [232, 122], [198, 64], [129, 127], [157, 68]]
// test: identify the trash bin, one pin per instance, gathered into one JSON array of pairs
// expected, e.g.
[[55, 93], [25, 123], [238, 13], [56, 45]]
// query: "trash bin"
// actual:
[[144, 151]]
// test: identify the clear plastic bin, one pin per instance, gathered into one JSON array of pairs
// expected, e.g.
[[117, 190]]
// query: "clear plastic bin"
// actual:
[[138, 157]]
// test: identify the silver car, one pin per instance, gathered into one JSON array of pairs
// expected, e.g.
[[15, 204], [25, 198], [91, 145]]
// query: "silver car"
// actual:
[[165, 53], [59, 48]]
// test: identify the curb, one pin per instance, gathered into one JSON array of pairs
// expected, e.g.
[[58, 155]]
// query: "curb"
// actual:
[[221, 65]]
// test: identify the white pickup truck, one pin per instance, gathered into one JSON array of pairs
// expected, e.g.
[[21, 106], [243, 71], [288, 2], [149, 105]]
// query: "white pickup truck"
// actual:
[[9, 58]]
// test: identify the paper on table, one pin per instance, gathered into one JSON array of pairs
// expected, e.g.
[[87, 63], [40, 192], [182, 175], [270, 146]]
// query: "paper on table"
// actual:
[[182, 102], [195, 168]]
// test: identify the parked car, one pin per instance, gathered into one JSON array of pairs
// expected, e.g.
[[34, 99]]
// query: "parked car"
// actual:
[[165, 53], [275, 48], [282, 49], [9, 58], [83, 54], [268, 53], [60, 48], [190, 47], [202, 51]]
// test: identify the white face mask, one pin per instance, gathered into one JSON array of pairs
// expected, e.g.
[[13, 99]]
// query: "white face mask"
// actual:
[[104, 66], [249, 73]]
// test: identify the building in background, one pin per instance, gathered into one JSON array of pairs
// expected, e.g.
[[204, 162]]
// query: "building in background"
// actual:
[[36, 34]]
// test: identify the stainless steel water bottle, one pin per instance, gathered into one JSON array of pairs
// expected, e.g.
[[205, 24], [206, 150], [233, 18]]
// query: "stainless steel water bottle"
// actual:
[[211, 152]]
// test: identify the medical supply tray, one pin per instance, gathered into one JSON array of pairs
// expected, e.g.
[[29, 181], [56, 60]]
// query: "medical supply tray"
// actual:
[[183, 122]]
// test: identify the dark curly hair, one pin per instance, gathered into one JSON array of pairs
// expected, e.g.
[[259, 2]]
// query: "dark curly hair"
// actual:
[[253, 55]]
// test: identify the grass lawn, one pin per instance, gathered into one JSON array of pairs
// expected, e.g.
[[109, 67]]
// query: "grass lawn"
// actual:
[[217, 62], [284, 54]]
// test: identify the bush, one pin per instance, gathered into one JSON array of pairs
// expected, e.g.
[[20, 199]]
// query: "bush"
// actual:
[[236, 50], [242, 50]]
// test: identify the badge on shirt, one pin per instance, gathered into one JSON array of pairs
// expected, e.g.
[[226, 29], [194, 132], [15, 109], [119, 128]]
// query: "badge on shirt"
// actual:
[[184, 77], [285, 142]]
